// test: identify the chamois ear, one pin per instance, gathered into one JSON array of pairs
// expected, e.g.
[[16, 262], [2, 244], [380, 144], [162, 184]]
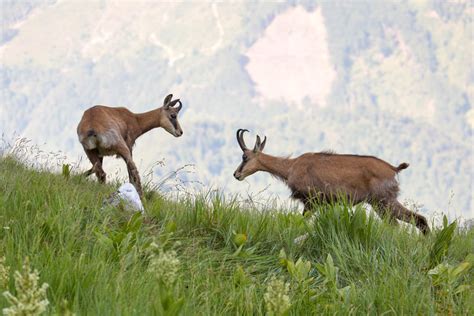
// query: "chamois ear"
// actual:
[[167, 99], [259, 145], [262, 145]]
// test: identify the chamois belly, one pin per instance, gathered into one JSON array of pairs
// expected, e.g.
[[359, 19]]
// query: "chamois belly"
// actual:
[[104, 143], [106, 152], [325, 190]]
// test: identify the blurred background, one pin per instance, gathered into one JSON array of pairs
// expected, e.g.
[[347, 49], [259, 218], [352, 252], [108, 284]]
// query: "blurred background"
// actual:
[[392, 79]]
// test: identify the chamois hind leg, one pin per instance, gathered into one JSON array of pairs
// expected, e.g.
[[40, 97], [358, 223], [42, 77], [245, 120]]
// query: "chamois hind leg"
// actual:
[[400, 212], [383, 211], [96, 161], [124, 152]]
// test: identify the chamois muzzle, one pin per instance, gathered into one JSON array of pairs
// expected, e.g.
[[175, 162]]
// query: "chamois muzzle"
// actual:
[[238, 175]]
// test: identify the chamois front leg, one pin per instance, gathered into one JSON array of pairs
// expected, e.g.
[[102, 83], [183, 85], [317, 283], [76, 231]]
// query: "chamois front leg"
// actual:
[[308, 207], [96, 161], [133, 175], [310, 202]]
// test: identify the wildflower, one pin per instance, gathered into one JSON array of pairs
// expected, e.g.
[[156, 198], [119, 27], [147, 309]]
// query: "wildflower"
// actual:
[[277, 301], [240, 239], [4, 273], [31, 299], [64, 309], [165, 266]]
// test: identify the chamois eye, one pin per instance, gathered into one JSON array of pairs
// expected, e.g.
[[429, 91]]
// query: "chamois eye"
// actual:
[[173, 116], [244, 157]]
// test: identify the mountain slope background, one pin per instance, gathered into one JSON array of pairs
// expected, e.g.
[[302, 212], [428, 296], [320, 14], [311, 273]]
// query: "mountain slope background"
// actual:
[[384, 79]]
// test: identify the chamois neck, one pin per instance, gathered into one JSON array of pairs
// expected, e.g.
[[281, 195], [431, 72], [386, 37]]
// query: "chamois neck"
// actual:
[[148, 120], [277, 166]]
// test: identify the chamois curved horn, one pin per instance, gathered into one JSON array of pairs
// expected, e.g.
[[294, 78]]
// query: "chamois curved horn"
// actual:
[[179, 106], [171, 104], [240, 138]]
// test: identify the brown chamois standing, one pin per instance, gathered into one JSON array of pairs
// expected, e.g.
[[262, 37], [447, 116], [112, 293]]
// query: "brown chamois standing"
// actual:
[[315, 177], [106, 131]]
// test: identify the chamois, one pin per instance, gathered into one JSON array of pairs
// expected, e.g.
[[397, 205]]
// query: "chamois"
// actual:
[[326, 176], [106, 131]]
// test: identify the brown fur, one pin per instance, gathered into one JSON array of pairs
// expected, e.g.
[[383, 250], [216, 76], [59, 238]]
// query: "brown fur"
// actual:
[[326, 176], [105, 131]]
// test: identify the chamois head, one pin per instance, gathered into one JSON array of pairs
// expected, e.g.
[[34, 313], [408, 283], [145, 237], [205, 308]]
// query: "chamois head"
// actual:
[[169, 116], [250, 163]]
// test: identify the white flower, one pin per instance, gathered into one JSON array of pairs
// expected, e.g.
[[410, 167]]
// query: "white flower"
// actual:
[[165, 266], [277, 301], [31, 299]]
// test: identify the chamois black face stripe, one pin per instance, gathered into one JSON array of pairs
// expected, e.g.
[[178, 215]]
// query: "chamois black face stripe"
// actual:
[[241, 167], [174, 122]]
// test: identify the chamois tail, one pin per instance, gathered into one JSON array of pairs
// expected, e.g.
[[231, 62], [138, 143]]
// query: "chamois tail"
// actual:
[[402, 166]]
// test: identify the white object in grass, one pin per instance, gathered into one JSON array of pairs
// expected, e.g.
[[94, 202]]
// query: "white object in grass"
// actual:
[[129, 196]]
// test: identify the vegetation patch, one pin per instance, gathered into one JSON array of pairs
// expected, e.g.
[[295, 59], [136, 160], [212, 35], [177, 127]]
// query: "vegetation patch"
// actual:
[[208, 255]]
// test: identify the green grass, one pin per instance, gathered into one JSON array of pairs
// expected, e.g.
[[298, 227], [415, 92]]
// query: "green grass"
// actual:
[[96, 259]]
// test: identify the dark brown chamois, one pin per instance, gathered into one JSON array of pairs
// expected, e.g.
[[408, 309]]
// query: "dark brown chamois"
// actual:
[[315, 177], [106, 131]]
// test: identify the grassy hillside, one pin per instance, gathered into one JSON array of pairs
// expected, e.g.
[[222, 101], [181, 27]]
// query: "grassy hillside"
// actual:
[[209, 256]]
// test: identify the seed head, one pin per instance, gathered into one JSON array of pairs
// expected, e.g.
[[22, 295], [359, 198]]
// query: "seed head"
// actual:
[[31, 299], [277, 301], [4, 273]]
